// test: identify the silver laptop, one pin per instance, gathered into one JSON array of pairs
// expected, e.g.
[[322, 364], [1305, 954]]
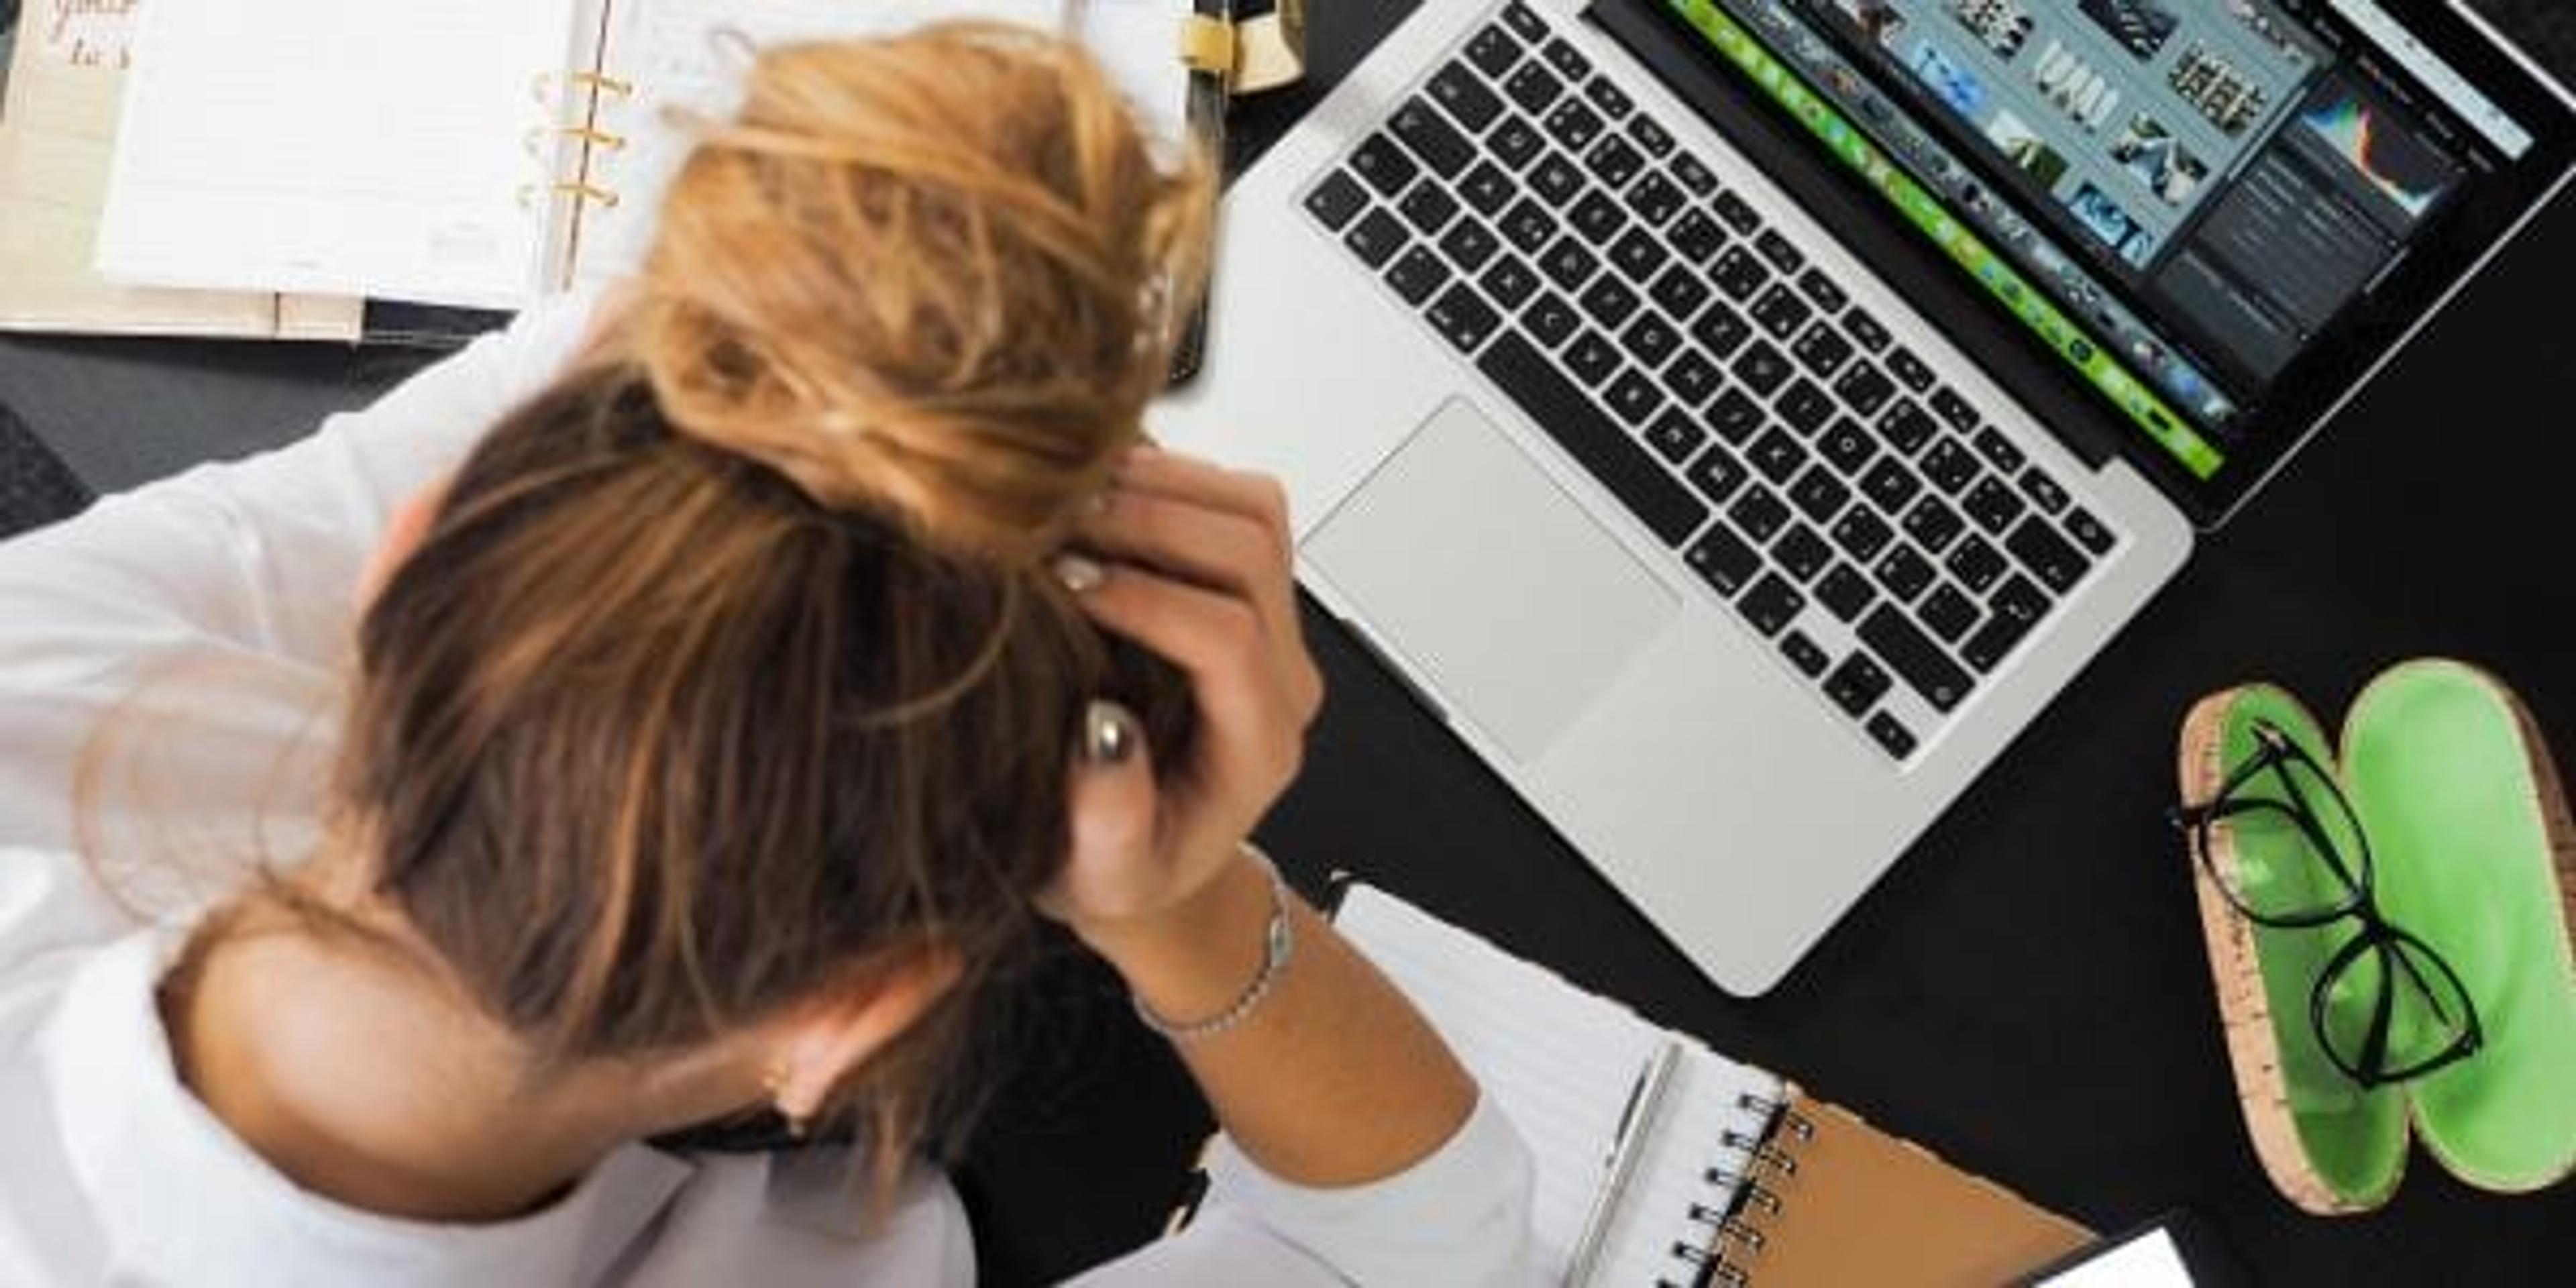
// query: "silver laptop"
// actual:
[[1737, 418]]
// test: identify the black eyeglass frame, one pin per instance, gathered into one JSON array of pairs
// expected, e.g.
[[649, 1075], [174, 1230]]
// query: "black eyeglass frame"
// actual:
[[2356, 874]]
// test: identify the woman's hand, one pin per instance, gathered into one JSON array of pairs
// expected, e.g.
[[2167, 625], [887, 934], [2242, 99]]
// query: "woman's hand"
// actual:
[[1195, 566]]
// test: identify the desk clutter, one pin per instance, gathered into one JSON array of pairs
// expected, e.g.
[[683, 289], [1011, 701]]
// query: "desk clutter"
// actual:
[[2391, 924], [1662, 1161], [288, 169]]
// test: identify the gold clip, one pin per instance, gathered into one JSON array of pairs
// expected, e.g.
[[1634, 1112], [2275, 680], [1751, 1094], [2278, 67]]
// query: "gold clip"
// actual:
[[606, 197], [604, 83], [1251, 55]]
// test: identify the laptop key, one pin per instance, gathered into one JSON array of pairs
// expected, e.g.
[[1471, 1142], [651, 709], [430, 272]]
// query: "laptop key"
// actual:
[[1950, 405], [1977, 564], [1572, 125], [1723, 560], [1463, 318], [1488, 188], [1534, 87], [1847, 445], [1694, 175], [1469, 245], [1679, 293], [1909, 370], [1591, 358], [1823, 350], [1866, 331], [1780, 311], [1650, 340], [1432, 137], [1567, 59], [1568, 264], [1891, 735], [1801, 553], [1905, 573], [1493, 50], [1597, 217], [1377, 237], [1674, 436], [1890, 486], [1993, 504], [1632, 397], [1654, 138], [1416, 274], [1823, 290], [1597, 443], [1508, 282], [1805, 406], [1735, 415], [1552, 321], [1819, 495], [2040, 549], [1862, 535], [2016, 608], [1655, 199], [1429, 207], [1947, 613], [1515, 142], [1697, 236], [1738, 213], [1612, 100], [2089, 532], [1528, 226], [1759, 513], [1907, 427], [1772, 604], [1639, 255], [1337, 201], [1857, 684], [2020, 599], [1845, 592], [1722, 329], [1614, 160], [1456, 88], [1915, 657], [1555, 179], [1762, 368], [1609, 301], [1739, 273], [1933, 524], [1999, 450], [1384, 165], [1804, 654], [1949, 466], [1520, 18], [1777, 455], [2043, 491], [1777, 248], [1717, 474], [1693, 378], [1865, 389]]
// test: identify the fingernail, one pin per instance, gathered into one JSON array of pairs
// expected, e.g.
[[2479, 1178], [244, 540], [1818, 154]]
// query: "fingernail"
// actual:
[[1097, 504], [1079, 575], [1109, 734]]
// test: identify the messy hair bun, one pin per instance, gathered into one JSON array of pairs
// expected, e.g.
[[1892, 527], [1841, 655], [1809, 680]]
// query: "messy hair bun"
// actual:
[[935, 276]]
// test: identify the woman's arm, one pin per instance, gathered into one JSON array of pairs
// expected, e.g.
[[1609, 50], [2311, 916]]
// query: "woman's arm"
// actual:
[[1359, 1135]]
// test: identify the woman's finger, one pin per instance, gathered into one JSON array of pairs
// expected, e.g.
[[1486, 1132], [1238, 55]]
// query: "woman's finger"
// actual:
[[1218, 549], [1257, 497], [1112, 812], [1220, 642]]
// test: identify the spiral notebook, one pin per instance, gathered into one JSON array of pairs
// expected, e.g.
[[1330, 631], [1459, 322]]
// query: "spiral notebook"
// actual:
[[1737, 1176], [478, 153]]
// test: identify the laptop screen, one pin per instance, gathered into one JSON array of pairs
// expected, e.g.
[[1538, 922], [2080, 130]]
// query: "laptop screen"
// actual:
[[2216, 215]]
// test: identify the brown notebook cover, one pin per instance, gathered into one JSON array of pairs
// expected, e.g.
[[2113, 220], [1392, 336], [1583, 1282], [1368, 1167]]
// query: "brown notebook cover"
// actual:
[[1833, 1200]]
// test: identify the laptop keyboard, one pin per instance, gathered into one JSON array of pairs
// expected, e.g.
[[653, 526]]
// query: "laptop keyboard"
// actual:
[[1816, 475]]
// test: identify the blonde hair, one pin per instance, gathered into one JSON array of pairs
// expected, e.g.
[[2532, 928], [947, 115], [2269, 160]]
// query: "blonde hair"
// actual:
[[938, 274]]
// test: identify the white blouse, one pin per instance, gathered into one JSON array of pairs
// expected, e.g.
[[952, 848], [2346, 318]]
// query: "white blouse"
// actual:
[[223, 597]]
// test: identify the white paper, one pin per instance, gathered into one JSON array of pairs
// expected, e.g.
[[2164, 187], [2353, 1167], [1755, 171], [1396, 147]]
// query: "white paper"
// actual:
[[1559, 1062], [336, 147]]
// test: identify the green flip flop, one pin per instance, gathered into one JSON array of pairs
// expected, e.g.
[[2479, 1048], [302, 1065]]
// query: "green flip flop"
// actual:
[[2475, 856]]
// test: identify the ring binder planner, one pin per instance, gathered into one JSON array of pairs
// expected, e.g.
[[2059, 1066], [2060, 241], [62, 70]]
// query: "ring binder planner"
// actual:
[[1741, 1179]]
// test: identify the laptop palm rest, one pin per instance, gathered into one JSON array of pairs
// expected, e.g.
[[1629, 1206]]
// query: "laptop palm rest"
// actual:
[[1465, 558]]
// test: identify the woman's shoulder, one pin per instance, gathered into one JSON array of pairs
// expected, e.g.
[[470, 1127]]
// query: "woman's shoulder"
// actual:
[[805, 1217]]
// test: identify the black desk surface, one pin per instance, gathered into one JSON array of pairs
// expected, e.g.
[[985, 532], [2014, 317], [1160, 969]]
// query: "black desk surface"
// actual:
[[2025, 992]]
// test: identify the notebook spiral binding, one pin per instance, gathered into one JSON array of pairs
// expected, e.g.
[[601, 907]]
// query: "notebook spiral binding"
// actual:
[[1761, 1162], [572, 103]]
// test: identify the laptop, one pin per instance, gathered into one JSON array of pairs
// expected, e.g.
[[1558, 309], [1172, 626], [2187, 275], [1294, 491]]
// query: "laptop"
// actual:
[[1738, 418]]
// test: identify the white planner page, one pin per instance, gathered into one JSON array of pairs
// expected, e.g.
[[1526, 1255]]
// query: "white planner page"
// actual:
[[1560, 1062], [686, 58], [337, 146]]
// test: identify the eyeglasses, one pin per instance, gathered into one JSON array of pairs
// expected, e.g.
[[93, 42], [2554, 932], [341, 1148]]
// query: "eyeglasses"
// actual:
[[2386, 1007]]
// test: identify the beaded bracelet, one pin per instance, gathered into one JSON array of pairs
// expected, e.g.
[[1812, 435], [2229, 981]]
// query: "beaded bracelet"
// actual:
[[1278, 941]]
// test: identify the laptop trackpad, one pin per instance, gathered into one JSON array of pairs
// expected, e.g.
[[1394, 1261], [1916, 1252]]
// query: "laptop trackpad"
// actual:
[[1466, 558]]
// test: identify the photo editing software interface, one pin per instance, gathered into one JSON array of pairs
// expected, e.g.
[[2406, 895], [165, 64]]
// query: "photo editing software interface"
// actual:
[[2178, 197]]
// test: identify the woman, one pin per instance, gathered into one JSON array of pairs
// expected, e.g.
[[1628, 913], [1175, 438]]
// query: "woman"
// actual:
[[726, 709]]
